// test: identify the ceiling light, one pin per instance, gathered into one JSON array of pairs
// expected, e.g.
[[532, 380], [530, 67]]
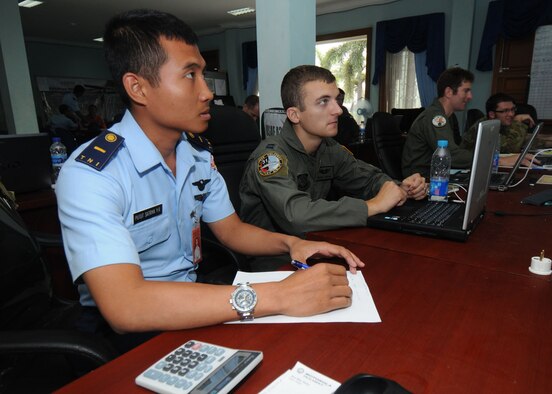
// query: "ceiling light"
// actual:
[[29, 3], [99, 39], [241, 11]]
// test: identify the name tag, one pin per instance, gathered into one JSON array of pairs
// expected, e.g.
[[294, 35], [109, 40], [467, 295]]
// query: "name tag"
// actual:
[[148, 213]]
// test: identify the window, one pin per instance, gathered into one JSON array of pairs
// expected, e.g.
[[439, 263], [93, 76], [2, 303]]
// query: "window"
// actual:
[[346, 54], [401, 87]]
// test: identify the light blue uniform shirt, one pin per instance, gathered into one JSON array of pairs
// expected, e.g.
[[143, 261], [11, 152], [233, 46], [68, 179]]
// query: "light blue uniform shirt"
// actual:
[[135, 210]]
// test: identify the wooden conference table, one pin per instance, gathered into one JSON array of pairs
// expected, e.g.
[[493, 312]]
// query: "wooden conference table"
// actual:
[[456, 317]]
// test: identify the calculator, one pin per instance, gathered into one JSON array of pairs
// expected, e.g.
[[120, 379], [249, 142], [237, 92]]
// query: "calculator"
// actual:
[[199, 367]]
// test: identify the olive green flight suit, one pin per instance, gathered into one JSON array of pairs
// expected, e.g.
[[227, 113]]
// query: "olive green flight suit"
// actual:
[[421, 141]]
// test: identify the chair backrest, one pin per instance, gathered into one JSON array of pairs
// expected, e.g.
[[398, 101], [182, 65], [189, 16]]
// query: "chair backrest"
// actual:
[[472, 116], [272, 121], [408, 115], [234, 135], [388, 143], [522, 108], [25, 287], [67, 138]]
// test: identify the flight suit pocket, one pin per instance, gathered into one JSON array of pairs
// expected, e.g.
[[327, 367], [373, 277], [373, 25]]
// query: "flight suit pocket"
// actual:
[[150, 233]]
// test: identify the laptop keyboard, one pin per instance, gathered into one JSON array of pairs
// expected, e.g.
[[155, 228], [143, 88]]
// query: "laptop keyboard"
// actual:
[[433, 213]]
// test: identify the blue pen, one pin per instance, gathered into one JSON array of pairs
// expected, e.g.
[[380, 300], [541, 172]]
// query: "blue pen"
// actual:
[[299, 265]]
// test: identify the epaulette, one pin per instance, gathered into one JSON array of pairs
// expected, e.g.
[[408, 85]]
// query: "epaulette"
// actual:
[[199, 141], [100, 150]]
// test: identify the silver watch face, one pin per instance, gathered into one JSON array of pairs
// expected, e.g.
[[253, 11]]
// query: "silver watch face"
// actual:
[[244, 299]]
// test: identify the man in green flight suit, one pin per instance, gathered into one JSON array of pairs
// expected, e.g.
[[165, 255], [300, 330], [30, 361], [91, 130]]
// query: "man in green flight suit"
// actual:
[[454, 89], [288, 177], [513, 127], [433, 124]]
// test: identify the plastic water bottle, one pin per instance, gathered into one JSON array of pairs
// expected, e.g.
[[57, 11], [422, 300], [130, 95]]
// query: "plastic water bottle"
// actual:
[[496, 157], [58, 153], [362, 133], [440, 172]]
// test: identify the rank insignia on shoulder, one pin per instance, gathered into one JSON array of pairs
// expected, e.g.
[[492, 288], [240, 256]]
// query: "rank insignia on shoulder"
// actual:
[[346, 150], [199, 141], [439, 121], [269, 163], [100, 150]]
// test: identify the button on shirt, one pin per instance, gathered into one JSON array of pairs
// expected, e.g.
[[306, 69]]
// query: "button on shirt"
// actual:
[[135, 210]]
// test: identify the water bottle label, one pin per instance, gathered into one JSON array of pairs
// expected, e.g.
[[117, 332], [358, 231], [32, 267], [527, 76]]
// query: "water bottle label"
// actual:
[[496, 159], [58, 159], [438, 189]]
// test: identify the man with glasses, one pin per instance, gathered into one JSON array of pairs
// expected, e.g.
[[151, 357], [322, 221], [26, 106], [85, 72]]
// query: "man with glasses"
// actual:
[[513, 127]]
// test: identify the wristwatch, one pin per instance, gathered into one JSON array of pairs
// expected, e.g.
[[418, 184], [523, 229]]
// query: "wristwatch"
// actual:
[[243, 301]]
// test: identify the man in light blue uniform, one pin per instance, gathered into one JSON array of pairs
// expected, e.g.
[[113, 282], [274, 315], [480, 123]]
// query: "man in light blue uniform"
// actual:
[[131, 201], [157, 213]]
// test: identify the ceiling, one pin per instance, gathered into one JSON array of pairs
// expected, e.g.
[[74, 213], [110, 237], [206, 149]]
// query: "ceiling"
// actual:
[[80, 21]]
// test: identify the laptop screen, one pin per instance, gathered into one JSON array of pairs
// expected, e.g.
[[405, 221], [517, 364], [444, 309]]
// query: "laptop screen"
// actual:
[[480, 175], [25, 164]]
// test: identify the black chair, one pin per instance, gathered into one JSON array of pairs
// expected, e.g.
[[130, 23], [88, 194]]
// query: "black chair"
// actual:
[[527, 109], [272, 121], [67, 138], [472, 116], [408, 115], [39, 349], [233, 135], [388, 144]]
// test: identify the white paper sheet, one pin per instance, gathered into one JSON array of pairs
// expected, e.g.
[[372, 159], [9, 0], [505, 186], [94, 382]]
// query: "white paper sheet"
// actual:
[[301, 380], [362, 309]]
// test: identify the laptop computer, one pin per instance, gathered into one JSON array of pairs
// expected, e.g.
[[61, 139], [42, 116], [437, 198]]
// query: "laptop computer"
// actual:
[[456, 220], [501, 180], [25, 164]]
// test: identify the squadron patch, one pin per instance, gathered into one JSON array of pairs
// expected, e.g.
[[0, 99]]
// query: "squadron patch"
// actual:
[[439, 121], [269, 164]]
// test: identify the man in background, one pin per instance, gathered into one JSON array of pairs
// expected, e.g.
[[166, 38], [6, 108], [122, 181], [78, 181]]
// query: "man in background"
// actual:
[[72, 101], [347, 127], [251, 107], [513, 127]]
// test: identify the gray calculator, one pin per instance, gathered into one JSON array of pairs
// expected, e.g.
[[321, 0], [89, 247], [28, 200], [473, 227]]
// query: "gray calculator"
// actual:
[[199, 367]]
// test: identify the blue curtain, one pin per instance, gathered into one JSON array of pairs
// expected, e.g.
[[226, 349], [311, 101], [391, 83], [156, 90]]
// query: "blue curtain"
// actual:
[[510, 19], [426, 86], [418, 34], [249, 65]]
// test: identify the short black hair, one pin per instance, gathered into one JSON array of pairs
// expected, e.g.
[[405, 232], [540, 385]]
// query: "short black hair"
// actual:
[[251, 100], [291, 90], [78, 90], [132, 44], [453, 78], [495, 99]]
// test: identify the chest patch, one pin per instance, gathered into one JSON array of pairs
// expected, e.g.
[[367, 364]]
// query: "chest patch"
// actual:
[[303, 182], [269, 164], [325, 173], [439, 121]]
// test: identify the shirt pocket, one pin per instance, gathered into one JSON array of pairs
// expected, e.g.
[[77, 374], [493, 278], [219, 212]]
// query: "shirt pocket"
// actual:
[[150, 233]]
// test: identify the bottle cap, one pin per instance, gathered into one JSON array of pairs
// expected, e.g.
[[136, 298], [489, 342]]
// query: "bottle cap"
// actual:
[[56, 139], [442, 143]]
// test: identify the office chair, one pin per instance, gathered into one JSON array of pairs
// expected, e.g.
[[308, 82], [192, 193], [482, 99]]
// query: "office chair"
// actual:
[[39, 349], [67, 138], [233, 135], [527, 109], [388, 143], [472, 116], [272, 121], [408, 115]]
